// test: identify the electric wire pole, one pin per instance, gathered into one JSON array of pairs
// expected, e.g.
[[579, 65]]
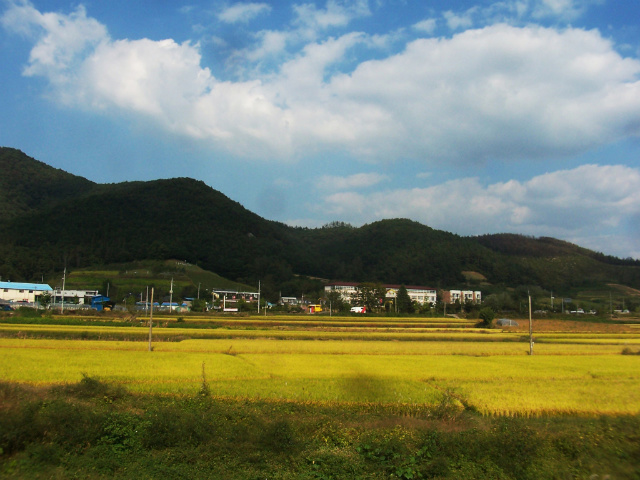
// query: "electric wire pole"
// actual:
[[530, 329], [151, 322]]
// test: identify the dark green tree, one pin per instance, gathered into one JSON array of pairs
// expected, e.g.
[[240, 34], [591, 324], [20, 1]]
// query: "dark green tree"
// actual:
[[335, 301], [487, 315], [370, 295], [45, 299], [404, 300], [198, 305]]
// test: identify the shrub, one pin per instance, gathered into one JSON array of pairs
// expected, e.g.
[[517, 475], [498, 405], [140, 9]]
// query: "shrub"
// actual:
[[28, 312], [123, 432], [93, 387], [172, 425], [69, 425], [278, 436], [18, 427], [487, 315]]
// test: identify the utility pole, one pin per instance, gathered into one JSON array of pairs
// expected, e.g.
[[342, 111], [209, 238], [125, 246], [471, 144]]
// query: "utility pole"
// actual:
[[610, 305], [64, 277], [151, 322], [530, 329], [171, 296]]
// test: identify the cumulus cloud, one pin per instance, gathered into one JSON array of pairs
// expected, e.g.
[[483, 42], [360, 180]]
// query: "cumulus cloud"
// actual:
[[270, 43], [62, 41], [564, 9], [498, 92], [427, 26], [336, 14], [459, 21], [518, 12], [359, 180], [566, 204], [243, 12]]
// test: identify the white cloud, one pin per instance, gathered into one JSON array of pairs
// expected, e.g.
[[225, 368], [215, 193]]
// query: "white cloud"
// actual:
[[336, 14], [427, 26], [497, 92], [564, 9], [62, 40], [569, 204], [270, 43], [120, 74], [518, 12], [458, 22], [243, 12], [359, 180]]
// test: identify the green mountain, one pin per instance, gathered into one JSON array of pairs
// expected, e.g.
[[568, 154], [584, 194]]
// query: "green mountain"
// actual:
[[27, 185], [53, 219]]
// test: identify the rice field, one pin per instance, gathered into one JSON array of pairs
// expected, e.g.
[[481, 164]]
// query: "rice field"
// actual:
[[387, 361]]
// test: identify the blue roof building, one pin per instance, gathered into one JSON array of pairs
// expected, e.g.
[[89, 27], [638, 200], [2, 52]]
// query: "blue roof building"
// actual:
[[23, 292]]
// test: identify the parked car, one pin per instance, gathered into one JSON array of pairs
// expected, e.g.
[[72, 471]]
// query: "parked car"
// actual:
[[5, 308], [359, 309]]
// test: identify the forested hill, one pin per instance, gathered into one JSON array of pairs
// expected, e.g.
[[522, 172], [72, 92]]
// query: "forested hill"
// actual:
[[53, 219], [27, 185]]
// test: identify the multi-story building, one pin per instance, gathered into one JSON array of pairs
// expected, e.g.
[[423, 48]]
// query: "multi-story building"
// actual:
[[419, 294], [462, 296], [347, 290]]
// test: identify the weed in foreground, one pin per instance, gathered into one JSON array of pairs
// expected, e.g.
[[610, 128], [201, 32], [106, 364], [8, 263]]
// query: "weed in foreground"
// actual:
[[93, 387], [204, 391]]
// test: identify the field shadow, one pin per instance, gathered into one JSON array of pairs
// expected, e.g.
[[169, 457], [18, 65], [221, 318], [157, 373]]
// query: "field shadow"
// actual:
[[366, 388]]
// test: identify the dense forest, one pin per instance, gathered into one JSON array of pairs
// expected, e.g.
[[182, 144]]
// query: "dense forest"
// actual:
[[51, 220]]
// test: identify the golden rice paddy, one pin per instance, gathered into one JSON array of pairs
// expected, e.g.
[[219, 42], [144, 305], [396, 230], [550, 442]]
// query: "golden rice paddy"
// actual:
[[352, 361]]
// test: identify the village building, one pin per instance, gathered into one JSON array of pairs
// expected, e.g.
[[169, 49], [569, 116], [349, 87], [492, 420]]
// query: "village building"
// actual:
[[229, 299], [419, 294], [15, 292], [78, 297], [462, 296]]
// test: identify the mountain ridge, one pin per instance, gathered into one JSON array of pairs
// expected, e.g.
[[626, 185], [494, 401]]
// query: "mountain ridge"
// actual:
[[26, 184], [78, 223]]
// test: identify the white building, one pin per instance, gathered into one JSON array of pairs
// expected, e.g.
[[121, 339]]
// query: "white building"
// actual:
[[347, 290], [462, 296], [79, 297], [418, 294], [23, 292]]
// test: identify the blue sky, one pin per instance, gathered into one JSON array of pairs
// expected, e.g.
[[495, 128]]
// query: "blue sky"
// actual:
[[472, 117]]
